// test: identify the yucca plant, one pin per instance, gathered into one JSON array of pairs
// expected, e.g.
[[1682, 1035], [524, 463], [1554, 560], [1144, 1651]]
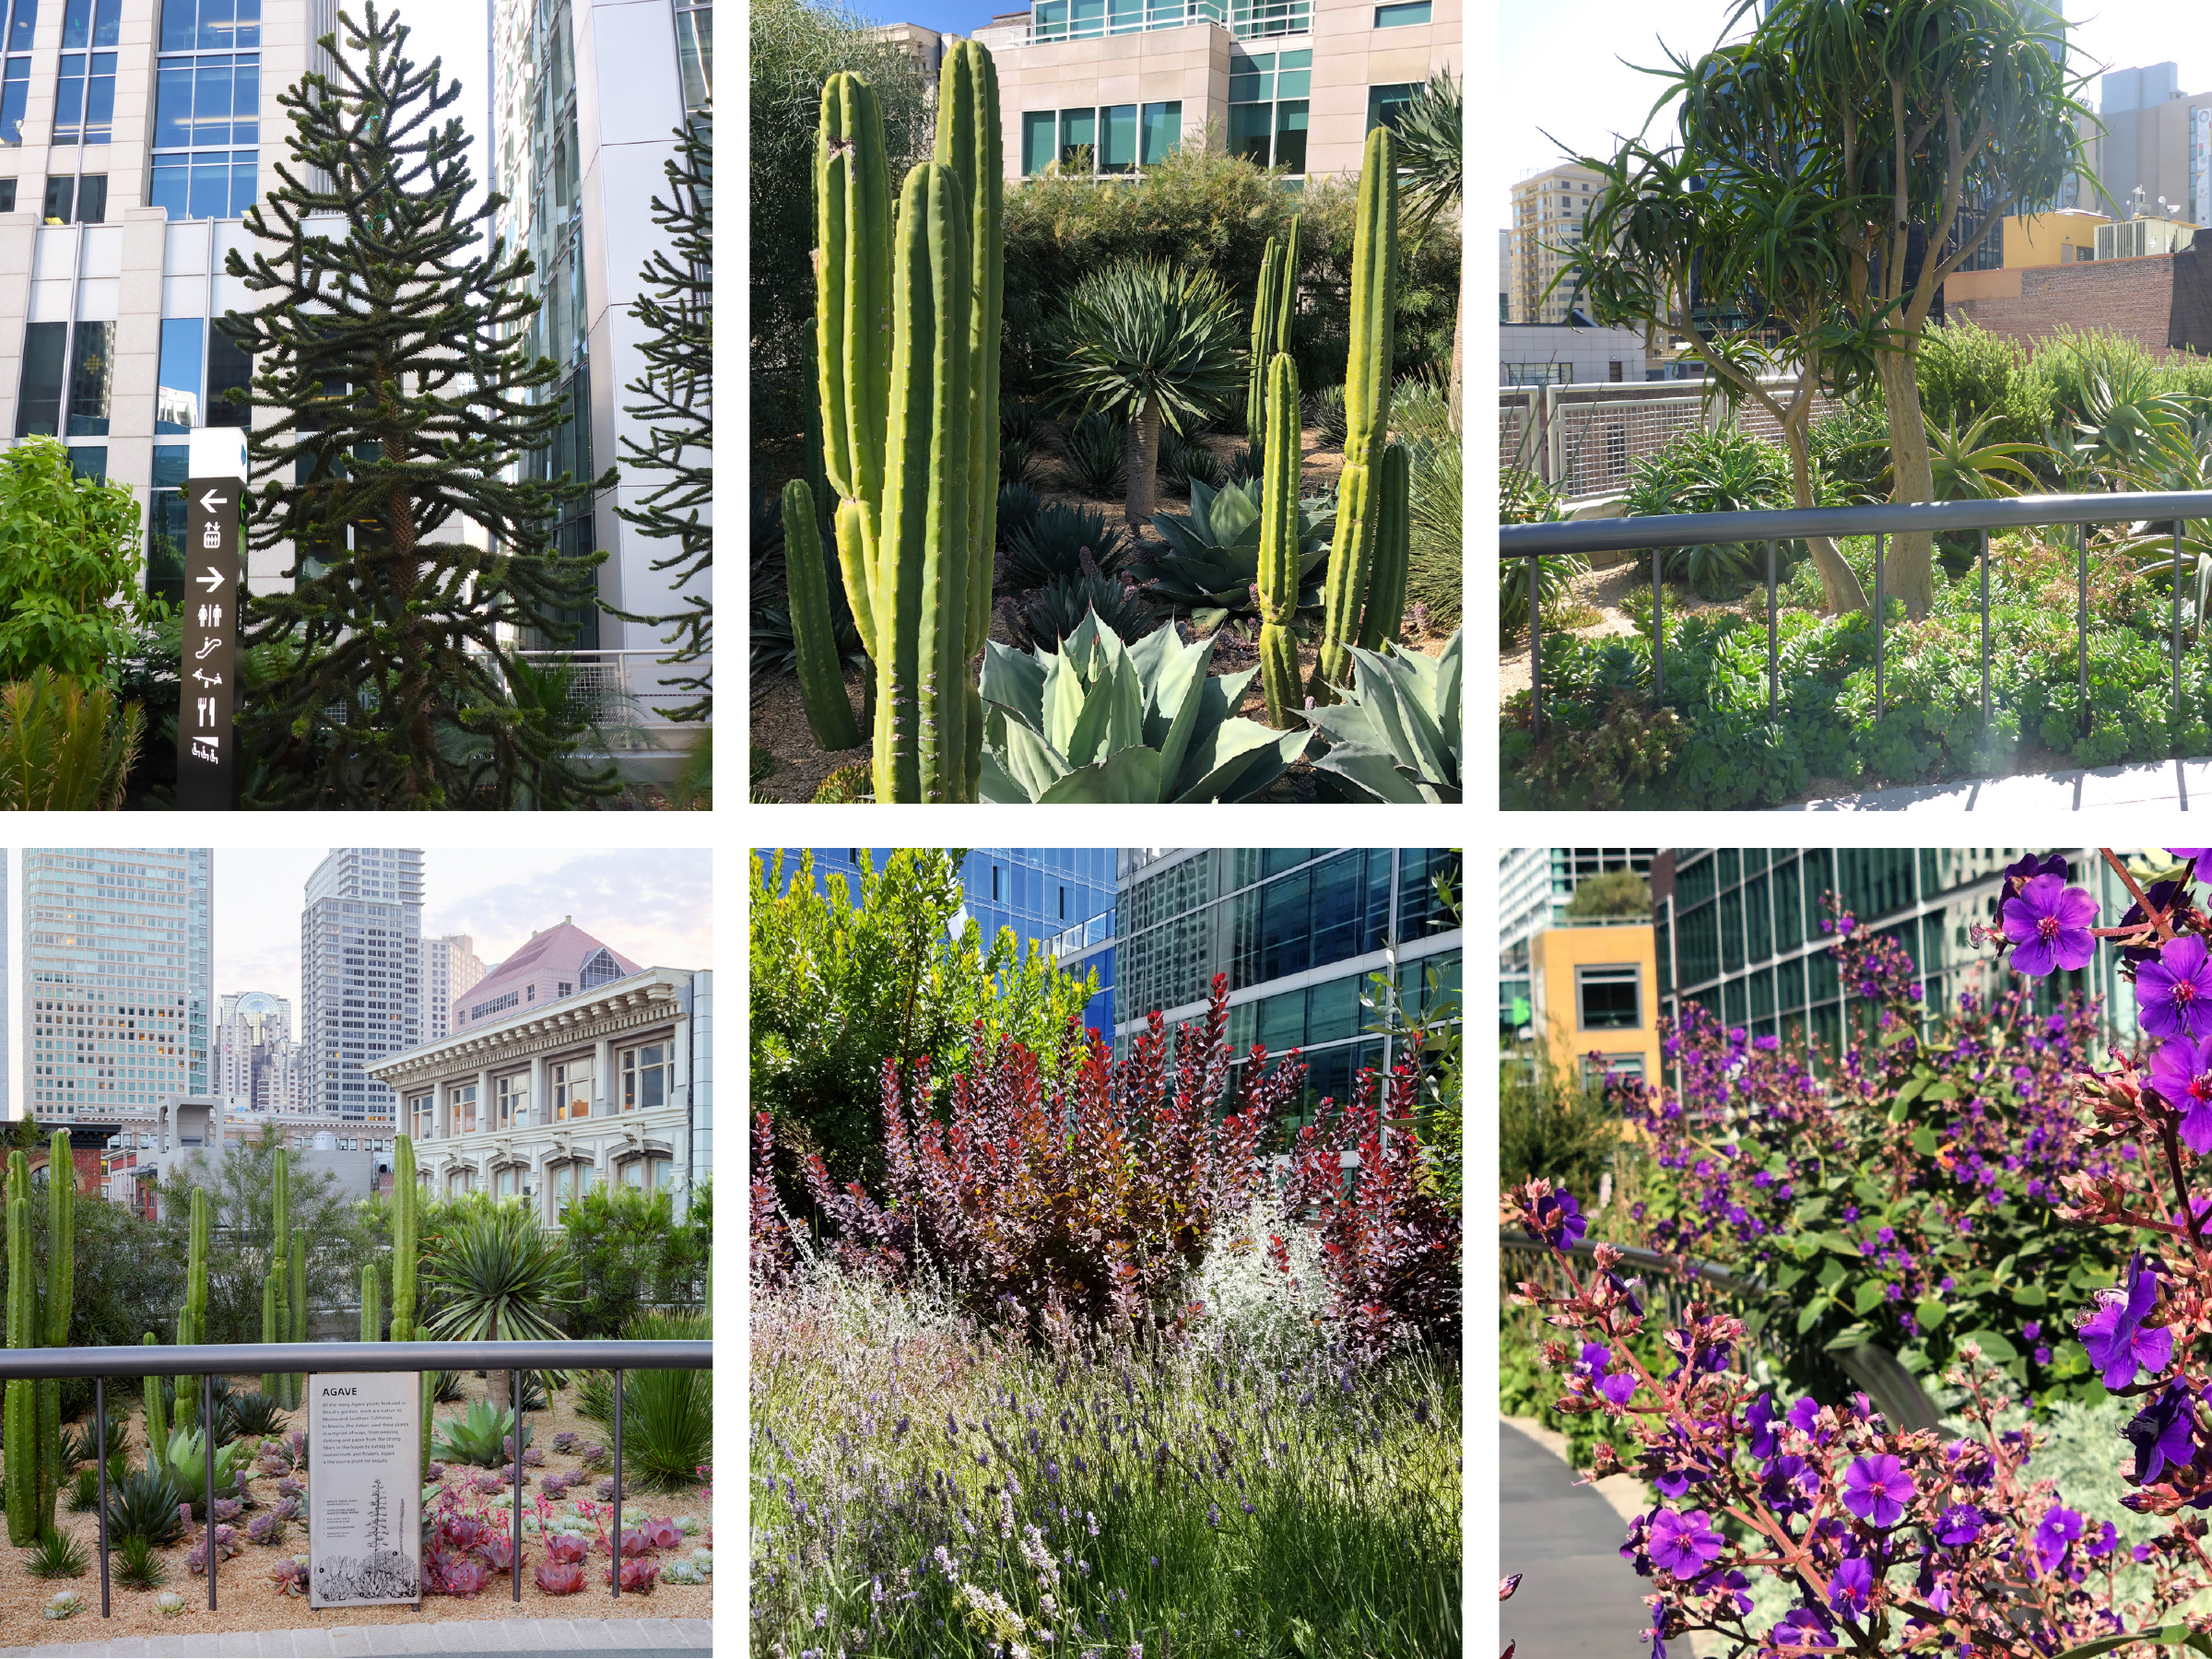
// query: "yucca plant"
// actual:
[[63, 745], [56, 1555], [498, 1276], [445, 1386], [1057, 609], [84, 1492], [81, 1449], [1052, 546], [1015, 459], [1151, 343], [1208, 564], [252, 1413], [1396, 735], [1020, 422], [1094, 454], [1325, 414], [137, 1566], [1102, 720], [144, 1504]]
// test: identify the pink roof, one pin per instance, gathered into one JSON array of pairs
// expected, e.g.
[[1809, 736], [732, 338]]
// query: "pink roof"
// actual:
[[559, 954]]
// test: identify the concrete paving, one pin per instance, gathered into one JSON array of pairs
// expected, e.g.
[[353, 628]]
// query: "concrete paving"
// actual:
[[2176, 785], [446, 1639], [1578, 1599]]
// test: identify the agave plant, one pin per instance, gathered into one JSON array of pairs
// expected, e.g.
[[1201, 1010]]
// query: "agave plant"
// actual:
[[144, 1505], [1325, 415], [1019, 505], [1051, 546], [2129, 431], [477, 1436], [1095, 456], [184, 1460], [1102, 720], [1057, 609], [1209, 565], [1151, 343], [1397, 735], [1185, 461]]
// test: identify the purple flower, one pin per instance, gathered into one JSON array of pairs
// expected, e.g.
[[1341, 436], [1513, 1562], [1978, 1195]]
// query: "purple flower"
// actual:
[[2058, 1529], [2029, 867], [1959, 1525], [1804, 1628], [2118, 1341], [1852, 1586], [2181, 1074], [1876, 1489], [2189, 851], [1619, 1388], [1766, 1438], [1682, 1544], [1557, 1221], [2173, 994], [2162, 1433], [2049, 924]]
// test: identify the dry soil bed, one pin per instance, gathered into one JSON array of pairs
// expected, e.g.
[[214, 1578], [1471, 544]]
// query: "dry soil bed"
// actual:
[[247, 1600]]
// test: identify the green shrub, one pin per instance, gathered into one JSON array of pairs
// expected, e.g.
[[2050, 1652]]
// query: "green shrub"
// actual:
[[71, 578], [65, 745], [1057, 609], [56, 1555], [629, 1251], [1713, 472], [137, 1566], [1094, 457], [1553, 1123]]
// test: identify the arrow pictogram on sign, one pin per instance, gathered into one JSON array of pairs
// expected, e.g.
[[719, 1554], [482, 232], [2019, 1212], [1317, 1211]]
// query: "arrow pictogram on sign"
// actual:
[[211, 581], [210, 501]]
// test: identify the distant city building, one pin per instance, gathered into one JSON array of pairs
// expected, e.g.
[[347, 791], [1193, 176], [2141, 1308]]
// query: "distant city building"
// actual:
[[1550, 209], [198, 1132], [1535, 887], [1593, 997], [450, 967], [360, 976], [2156, 144], [556, 963], [543, 1100], [117, 981], [257, 1065], [1738, 929], [1570, 354]]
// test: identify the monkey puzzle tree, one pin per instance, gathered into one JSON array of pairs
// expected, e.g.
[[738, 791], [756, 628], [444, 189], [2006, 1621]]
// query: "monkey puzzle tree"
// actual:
[[387, 347], [1915, 126], [678, 401]]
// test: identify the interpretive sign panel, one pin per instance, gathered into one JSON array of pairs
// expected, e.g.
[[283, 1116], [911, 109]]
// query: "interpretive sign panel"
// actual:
[[364, 1442]]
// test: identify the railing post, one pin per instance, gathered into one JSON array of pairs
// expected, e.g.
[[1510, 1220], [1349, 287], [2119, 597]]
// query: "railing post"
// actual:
[[100, 1445], [1985, 631], [208, 1429], [1658, 635], [2081, 534], [618, 1566], [1773, 642], [514, 1559], [1878, 627]]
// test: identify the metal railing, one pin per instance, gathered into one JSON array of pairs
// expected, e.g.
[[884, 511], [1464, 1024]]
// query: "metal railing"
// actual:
[[209, 1360], [1245, 19], [1696, 529], [1585, 439], [1669, 1283], [625, 694]]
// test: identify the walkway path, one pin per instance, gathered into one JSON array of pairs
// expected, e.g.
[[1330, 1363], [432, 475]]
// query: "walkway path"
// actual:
[[454, 1639], [2176, 785], [1578, 1599]]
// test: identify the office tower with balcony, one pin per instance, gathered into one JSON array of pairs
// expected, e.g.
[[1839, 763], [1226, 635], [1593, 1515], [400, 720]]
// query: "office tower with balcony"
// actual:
[[117, 977], [450, 966], [133, 135], [587, 96], [360, 976]]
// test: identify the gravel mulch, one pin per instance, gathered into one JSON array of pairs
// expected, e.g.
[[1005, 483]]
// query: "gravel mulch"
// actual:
[[248, 1601]]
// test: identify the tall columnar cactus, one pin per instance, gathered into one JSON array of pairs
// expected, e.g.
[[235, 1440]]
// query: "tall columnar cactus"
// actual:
[[405, 1193], [156, 1417], [909, 442], [1394, 550], [295, 1383], [921, 599], [192, 1319], [852, 320], [372, 1304], [61, 1292], [21, 1446], [272, 1330], [969, 141], [822, 666], [1278, 545], [1352, 561], [275, 1326], [1273, 303]]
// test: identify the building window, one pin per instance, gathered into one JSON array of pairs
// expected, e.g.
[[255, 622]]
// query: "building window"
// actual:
[[513, 1094], [1403, 15], [1596, 1069], [1386, 105], [506, 1183], [15, 79], [165, 525], [1163, 138], [1609, 998], [646, 1174], [1267, 108], [695, 53], [206, 100], [84, 103], [90, 461], [572, 1089], [38, 399], [461, 1103], [571, 1181], [648, 1077], [7, 195], [1079, 139], [458, 1182]]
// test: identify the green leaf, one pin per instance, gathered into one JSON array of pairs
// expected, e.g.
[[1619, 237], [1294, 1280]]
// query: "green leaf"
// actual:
[[2172, 1635], [1831, 1274], [1928, 1314], [2030, 1295], [1943, 1091], [1910, 1090], [1925, 1141], [1810, 1314], [1868, 1296], [1994, 1347], [1810, 1211], [1850, 1336], [1838, 1243]]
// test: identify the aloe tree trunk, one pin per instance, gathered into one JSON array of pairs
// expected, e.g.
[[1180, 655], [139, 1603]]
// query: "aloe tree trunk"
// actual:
[[1840, 586], [1140, 444], [1909, 565]]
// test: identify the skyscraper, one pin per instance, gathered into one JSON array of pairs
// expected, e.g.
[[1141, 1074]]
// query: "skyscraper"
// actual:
[[361, 975], [256, 1061], [450, 966], [136, 132], [586, 97], [117, 976]]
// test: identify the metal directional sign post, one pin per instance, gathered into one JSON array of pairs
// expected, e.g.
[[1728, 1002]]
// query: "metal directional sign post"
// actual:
[[207, 737]]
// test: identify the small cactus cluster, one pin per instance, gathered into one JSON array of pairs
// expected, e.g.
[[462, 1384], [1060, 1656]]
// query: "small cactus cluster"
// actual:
[[30, 1419], [906, 342], [1272, 307], [1365, 592]]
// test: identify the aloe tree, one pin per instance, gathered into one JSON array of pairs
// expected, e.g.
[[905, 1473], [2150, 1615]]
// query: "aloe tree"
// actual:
[[1149, 342], [498, 1276]]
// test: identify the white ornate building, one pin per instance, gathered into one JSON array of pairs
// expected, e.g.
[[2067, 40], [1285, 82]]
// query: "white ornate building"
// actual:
[[611, 1083]]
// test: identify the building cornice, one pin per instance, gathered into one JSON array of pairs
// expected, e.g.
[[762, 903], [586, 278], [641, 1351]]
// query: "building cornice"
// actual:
[[624, 1005]]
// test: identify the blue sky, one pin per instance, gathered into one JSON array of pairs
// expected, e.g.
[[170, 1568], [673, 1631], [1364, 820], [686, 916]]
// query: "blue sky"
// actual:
[[947, 16]]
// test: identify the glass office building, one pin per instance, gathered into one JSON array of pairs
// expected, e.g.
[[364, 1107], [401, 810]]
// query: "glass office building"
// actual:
[[1738, 929]]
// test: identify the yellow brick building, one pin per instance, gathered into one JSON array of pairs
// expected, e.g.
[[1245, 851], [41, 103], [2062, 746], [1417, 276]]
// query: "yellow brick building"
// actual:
[[1595, 989]]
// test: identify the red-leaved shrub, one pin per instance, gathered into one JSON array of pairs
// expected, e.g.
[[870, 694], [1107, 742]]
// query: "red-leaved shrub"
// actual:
[[1093, 1200]]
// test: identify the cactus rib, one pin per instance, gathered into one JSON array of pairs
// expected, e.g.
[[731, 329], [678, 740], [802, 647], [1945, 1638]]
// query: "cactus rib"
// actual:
[[1278, 560], [1394, 550], [821, 669], [853, 290]]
